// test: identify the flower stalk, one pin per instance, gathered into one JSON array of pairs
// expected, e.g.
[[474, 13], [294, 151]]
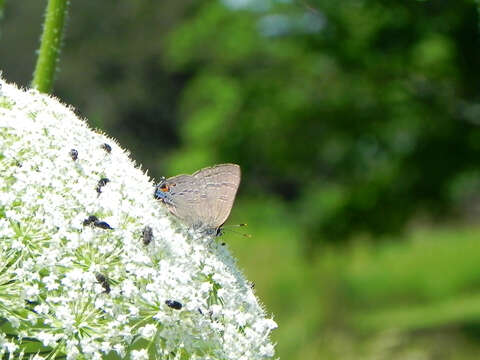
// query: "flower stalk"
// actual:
[[2, 6], [50, 45]]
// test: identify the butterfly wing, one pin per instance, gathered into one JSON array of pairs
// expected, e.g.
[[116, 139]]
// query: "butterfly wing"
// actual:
[[221, 184], [185, 193], [203, 200]]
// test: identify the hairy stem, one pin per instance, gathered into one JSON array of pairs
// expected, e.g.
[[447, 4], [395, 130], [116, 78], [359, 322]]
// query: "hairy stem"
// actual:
[[50, 45], [2, 9]]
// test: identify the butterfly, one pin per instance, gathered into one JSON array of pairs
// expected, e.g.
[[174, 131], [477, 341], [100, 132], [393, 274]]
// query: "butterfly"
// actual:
[[203, 200]]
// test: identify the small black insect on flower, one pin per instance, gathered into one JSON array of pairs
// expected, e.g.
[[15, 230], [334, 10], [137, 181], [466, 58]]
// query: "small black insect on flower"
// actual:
[[17, 163], [174, 304], [101, 183], [93, 220], [74, 154], [90, 220], [102, 225], [106, 147], [103, 281], [147, 235]]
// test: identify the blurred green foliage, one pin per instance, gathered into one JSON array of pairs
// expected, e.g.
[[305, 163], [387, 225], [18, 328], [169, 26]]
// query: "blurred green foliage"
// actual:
[[414, 297], [356, 126], [360, 114]]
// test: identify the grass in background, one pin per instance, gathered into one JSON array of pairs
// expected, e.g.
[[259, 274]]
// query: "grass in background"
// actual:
[[399, 298]]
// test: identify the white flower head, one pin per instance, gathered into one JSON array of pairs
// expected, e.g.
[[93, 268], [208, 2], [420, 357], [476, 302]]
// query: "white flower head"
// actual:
[[79, 279]]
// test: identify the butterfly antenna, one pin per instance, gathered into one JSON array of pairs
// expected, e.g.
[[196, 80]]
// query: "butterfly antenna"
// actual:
[[237, 232], [238, 225]]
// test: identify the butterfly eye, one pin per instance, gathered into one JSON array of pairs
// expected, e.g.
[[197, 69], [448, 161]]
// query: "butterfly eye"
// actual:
[[165, 188]]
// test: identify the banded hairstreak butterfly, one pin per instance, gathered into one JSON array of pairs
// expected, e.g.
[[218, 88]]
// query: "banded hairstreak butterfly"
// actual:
[[204, 199]]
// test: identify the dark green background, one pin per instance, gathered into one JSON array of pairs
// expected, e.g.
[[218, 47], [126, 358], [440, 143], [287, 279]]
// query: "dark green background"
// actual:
[[355, 123]]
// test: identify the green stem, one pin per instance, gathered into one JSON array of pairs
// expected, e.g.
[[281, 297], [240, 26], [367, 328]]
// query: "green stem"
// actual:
[[2, 6], [478, 14], [2, 10], [50, 45]]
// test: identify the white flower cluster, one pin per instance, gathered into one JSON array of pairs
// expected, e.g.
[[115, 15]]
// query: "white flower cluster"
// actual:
[[91, 265]]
